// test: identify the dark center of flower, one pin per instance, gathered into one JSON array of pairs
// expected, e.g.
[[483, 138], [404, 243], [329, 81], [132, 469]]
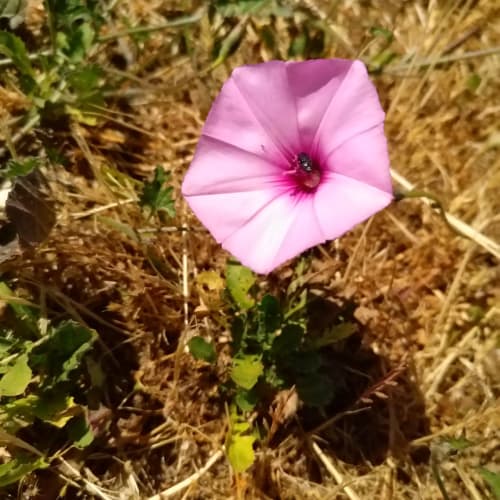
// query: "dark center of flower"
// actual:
[[307, 172]]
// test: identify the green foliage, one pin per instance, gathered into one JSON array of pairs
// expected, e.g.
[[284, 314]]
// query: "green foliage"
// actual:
[[202, 349], [239, 281], [16, 468], [379, 31], [246, 371], [155, 196], [493, 481], [60, 80], [240, 441], [273, 350], [473, 82], [41, 367], [18, 168], [17, 377], [12, 46], [74, 24], [79, 432], [459, 444]]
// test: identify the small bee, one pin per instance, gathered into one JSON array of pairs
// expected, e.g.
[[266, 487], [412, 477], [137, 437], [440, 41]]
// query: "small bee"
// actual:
[[307, 173], [304, 162]]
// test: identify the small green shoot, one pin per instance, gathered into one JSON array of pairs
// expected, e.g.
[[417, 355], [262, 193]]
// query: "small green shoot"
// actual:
[[493, 481], [156, 197], [202, 349]]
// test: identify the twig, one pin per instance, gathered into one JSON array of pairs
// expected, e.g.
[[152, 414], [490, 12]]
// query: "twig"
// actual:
[[174, 23], [443, 59], [91, 488], [32, 122], [102, 208], [457, 224], [189, 480], [334, 472]]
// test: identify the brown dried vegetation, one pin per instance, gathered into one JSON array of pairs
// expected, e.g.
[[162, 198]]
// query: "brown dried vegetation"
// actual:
[[427, 365]]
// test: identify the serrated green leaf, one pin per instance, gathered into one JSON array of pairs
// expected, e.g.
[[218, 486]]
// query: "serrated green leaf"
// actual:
[[335, 334], [156, 196], [239, 281], [202, 349], [17, 378], [18, 168], [15, 469], [492, 479], [240, 452], [246, 371], [459, 444], [13, 47]]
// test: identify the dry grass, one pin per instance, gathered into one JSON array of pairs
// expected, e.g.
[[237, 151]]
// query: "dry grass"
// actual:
[[425, 296]]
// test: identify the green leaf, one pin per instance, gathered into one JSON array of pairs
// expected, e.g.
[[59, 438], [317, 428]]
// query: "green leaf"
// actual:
[[315, 389], [155, 196], [62, 352], [381, 60], [246, 400], [493, 481], [17, 378], [473, 82], [239, 281], [459, 444], [202, 349], [270, 313], [288, 341], [19, 168], [15, 469], [13, 47], [79, 432], [382, 32], [335, 334], [298, 45], [240, 452], [246, 371]]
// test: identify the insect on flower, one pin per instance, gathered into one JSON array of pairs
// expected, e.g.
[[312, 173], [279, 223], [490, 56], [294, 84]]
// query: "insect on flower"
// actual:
[[292, 154]]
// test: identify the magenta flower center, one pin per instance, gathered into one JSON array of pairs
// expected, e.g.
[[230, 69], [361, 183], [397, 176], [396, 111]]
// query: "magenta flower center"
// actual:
[[306, 172]]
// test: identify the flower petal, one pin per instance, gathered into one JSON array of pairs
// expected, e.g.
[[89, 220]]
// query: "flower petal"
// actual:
[[355, 108], [314, 84], [365, 158], [342, 202], [219, 167], [231, 120], [282, 230], [266, 90]]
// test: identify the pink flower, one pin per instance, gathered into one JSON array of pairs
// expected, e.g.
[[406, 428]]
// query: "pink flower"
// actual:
[[292, 154]]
